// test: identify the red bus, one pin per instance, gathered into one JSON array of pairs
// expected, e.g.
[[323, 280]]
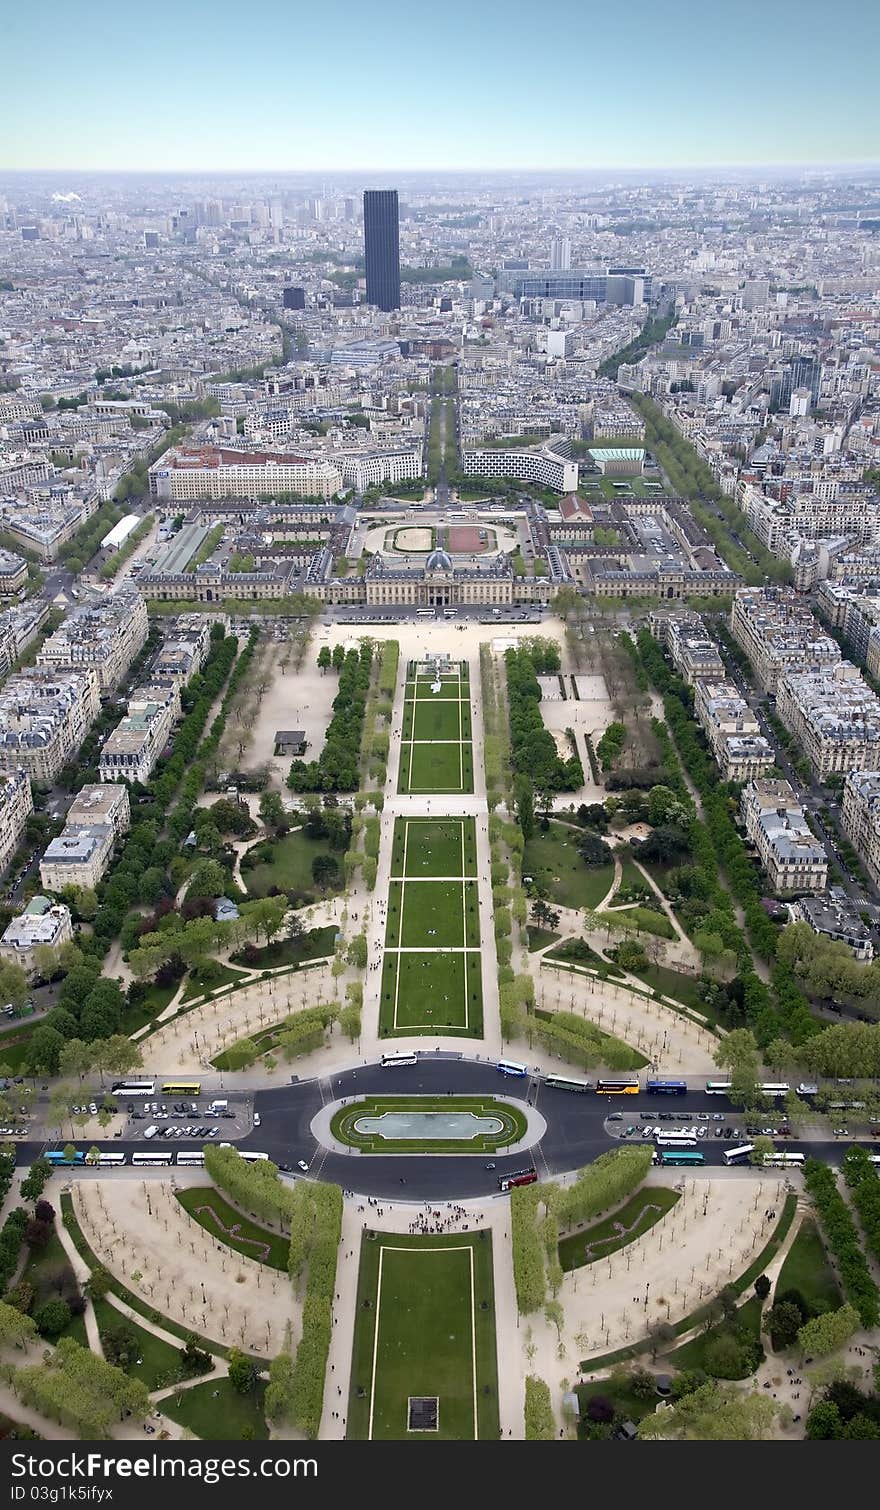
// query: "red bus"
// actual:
[[522, 1177]]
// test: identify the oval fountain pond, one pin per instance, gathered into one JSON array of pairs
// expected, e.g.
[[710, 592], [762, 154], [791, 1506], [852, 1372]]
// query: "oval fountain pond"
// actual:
[[427, 1126]]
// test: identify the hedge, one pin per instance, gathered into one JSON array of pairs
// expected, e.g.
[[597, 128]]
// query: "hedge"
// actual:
[[528, 1251], [316, 1228], [604, 1183], [255, 1187], [540, 1426]]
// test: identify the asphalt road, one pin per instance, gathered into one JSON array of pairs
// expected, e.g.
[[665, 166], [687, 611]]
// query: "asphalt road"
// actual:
[[576, 1130]]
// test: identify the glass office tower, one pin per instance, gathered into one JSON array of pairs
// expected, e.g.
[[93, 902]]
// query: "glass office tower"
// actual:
[[382, 247]]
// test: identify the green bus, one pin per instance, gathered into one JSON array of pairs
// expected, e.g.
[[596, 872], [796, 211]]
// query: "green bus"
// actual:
[[678, 1156]]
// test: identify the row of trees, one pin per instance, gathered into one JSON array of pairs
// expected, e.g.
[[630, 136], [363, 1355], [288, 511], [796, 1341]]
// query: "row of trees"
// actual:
[[580, 1042], [840, 1230], [861, 1178], [534, 755], [528, 1252], [82, 1391], [336, 769]]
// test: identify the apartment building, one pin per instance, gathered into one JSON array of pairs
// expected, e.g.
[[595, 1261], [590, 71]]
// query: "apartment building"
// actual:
[[541, 465], [778, 633], [693, 652], [365, 469], [792, 856], [860, 816], [834, 716], [16, 802], [107, 634], [836, 919], [44, 718], [138, 740], [105, 803], [43, 923], [13, 573], [187, 475], [184, 651], [732, 730], [78, 857]]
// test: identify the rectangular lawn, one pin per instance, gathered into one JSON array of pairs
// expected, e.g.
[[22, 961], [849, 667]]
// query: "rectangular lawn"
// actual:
[[440, 720], [433, 915], [428, 1331], [438, 992], [434, 847], [436, 767]]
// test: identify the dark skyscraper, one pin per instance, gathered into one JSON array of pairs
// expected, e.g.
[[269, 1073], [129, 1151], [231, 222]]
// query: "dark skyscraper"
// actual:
[[382, 247], [294, 298]]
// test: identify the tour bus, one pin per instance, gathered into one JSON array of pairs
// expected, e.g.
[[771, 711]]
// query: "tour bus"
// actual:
[[738, 1155], [563, 1083], [771, 1089], [190, 1156], [674, 1140], [510, 1067], [618, 1087], [111, 1159], [777, 1160], [424, 613], [718, 1087], [58, 1156], [666, 1087], [181, 1087], [388, 1061], [133, 1087], [152, 1158], [672, 1156], [251, 1157], [874, 1158], [522, 1177]]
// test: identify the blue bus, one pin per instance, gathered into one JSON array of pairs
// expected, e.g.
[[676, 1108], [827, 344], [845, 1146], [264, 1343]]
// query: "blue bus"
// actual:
[[58, 1156], [510, 1067], [667, 1156], [666, 1087]]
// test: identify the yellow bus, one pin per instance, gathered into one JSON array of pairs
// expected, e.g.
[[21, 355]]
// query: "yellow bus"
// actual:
[[181, 1087]]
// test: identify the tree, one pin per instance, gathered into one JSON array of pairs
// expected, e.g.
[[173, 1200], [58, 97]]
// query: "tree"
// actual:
[[826, 1333], [524, 805], [242, 1374], [13, 984], [16, 1327], [715, 1413], [539, 1423], [763, 1148], [51, 1318], [762, 1286], [195, 1359], [324, 658], [824, 1423], [75, 1058]]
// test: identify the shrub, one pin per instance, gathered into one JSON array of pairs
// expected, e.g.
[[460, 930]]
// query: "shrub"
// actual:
[[52, 1317]]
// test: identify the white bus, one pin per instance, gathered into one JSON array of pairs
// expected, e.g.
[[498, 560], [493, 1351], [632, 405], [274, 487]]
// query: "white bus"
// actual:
[[133, 1088], [738, 1155], [510, 1067], [110, 1158], [782, 1160], [769, 1089], [190, 1156], [152, 1158], [674, 1140], [388, 1061], [424, 613], [564, 1083], [718, 1087], [251, 1157]]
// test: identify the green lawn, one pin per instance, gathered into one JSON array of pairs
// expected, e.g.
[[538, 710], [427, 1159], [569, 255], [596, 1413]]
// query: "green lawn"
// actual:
[[211, 980], [806, 1268], [158, 1363], [434, 993], [207, 1207], [216, 1412], [155, 1001], [318, 943], [697, 1354], [425, 1327], [434, 847], [552, 859], [574, 951], [634, 1219], [632, 876], [14, 1048], [645, 920], [436, 768], [433, 915], [628, 1406], [681, 987], [290, 868], [539, 938], [50, 1272], [344, 1124], [441, 720]]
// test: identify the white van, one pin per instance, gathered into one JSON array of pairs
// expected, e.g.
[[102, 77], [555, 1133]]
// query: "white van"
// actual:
[[218, 1106]]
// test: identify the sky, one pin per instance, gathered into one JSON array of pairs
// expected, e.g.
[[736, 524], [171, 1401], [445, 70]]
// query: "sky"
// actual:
[[279, 85]]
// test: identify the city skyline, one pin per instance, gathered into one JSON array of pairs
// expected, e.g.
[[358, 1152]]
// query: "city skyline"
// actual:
[[464, 100]]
